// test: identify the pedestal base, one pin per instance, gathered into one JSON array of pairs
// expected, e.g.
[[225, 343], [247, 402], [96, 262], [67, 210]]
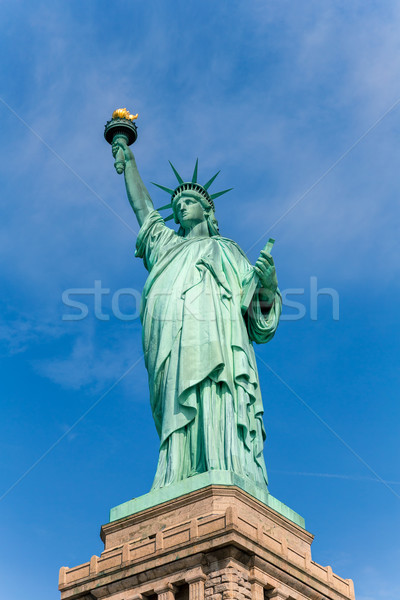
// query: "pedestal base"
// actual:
[[198, 482], [216, 543]]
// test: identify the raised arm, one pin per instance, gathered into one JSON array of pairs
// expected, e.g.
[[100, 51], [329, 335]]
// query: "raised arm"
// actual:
[[138, 196]]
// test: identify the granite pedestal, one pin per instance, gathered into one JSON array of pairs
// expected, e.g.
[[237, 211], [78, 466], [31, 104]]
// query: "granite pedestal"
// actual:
[[213, 543]]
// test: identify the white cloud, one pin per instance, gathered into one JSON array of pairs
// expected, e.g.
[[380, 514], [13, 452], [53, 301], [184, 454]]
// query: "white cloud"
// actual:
[[19, 331], [91, 363]]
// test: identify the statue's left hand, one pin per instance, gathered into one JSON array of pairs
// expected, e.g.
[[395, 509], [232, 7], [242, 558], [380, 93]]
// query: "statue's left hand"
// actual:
[[265, 269]]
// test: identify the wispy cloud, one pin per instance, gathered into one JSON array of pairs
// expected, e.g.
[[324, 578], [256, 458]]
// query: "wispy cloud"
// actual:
[[90, 362], [19, 331]]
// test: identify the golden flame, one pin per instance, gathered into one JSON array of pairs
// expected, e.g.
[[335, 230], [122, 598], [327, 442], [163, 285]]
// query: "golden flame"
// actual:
[[122, 113]]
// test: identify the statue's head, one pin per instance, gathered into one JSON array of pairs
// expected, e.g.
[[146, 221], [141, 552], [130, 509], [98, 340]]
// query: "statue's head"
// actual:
[[191, 203], [192, 206], [189, 207]]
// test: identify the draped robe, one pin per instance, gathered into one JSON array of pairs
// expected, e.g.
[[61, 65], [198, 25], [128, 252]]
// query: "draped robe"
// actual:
[[204, 387]]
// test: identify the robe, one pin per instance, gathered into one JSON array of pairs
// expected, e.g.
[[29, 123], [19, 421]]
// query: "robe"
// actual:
[[204, 387]]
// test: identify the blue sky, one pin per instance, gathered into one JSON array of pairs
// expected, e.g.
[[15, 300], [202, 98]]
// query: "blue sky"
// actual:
[[296, 103]]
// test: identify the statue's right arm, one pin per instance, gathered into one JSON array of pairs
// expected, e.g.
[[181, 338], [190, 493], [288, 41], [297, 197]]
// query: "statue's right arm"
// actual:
[[138, 196]]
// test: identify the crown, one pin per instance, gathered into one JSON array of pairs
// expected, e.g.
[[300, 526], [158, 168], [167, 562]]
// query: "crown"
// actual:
[[192, 185]]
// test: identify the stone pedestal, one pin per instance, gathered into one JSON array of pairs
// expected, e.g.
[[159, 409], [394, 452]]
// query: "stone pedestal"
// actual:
[[215, 543]]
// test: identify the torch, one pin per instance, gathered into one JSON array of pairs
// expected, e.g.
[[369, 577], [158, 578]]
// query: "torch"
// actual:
[[121, 125]]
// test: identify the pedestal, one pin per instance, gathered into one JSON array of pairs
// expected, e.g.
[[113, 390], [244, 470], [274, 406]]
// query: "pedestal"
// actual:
[[214, 543]]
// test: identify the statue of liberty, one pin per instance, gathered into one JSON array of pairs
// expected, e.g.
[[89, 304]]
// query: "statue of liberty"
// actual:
[[198, 331]]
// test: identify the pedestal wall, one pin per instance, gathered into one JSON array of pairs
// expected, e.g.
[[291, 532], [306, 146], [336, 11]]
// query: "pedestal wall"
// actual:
[[217, 543]]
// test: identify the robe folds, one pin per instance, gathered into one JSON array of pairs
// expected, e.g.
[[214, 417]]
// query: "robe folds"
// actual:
[[204, 387]]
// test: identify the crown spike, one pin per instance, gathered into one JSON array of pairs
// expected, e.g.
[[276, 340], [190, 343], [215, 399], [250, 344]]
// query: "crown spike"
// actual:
[[165, 206], [162, 187], [207, 185], [169, 218], [220, 193], [179, 178], [194, 178]]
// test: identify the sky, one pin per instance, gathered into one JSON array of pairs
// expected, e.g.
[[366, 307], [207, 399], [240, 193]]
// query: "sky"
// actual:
[[298, 104]]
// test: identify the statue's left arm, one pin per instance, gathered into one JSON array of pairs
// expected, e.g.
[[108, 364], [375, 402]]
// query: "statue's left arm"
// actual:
[[266, 305], [268, 281]]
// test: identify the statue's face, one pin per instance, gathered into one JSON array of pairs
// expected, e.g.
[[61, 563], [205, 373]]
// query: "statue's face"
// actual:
[[189, 209]]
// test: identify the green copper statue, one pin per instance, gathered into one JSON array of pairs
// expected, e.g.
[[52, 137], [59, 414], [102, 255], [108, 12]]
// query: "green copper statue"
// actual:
[[198, 332]]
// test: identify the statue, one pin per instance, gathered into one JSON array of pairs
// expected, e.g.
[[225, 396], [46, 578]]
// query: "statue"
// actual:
[[203, 305]]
